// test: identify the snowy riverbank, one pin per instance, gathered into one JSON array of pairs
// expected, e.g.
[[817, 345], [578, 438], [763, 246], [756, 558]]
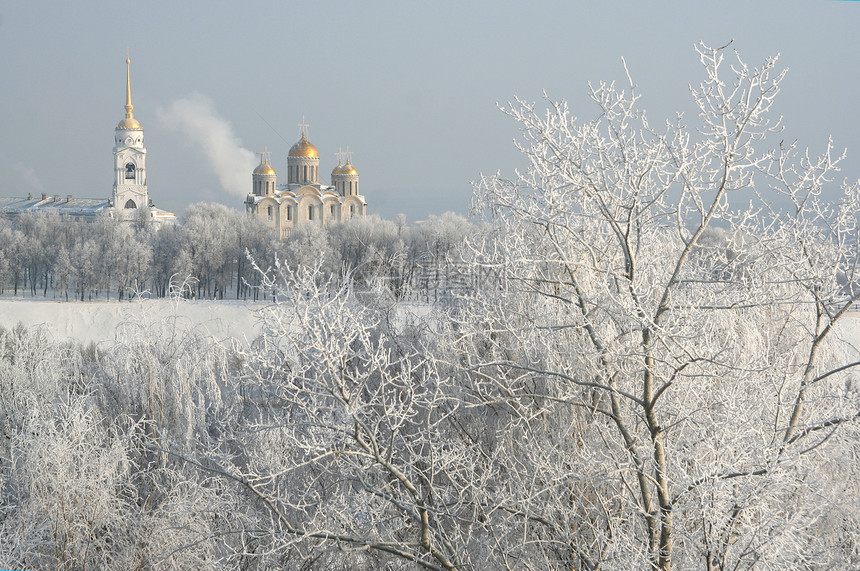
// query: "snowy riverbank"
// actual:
[[99, 321]]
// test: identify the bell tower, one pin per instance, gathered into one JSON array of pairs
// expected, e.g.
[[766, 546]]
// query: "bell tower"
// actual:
[[129, 186]]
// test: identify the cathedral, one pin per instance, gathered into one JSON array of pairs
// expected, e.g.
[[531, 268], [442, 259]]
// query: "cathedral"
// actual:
[[303, 199], [130, 193]]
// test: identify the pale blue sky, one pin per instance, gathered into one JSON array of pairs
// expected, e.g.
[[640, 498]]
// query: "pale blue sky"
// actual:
[[410, 87]]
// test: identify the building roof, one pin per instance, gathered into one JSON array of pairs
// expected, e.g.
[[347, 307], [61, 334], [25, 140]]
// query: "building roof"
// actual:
[[294, 192], [68, 206], [62, 205]]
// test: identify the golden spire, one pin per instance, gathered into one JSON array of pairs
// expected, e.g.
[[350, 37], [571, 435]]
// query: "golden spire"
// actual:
[[128, 105], [129, 122]]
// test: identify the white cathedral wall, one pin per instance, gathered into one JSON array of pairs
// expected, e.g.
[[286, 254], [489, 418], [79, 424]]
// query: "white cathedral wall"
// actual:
[[305, 214], [331, 211]]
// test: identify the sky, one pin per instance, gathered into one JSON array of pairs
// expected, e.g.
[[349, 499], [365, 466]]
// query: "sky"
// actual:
[[412, 89]]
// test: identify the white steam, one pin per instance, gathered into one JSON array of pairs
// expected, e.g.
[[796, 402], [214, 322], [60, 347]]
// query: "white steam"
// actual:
[[29, 176], [196, 118]]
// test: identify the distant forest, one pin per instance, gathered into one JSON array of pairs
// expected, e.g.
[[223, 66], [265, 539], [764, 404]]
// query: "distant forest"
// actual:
[[218, 253]]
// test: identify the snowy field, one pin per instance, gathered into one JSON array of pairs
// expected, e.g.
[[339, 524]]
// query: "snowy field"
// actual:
[[99, 322]]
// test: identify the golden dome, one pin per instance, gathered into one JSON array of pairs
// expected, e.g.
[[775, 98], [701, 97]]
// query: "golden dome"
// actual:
[[336, 170], [129, 123], [348, 169], [304, 148], [265, 168]]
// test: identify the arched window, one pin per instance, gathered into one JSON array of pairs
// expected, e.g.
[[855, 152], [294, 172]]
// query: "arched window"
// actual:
[[289, 212], [270, 212], [129, 171], [130, 204], [310, 211], [305, 173]]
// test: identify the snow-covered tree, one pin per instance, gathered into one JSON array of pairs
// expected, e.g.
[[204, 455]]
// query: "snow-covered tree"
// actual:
[[346, 437], [371, 250], [436, 256], [86, 481], [666, 347]]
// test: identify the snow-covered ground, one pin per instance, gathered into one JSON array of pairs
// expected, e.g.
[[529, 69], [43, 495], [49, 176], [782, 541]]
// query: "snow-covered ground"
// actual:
[[99, 322]]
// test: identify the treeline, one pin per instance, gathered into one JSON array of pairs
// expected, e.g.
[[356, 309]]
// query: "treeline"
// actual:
[[215, 249]]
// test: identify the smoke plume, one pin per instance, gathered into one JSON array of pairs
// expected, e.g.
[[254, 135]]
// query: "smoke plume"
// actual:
[[196, 118]]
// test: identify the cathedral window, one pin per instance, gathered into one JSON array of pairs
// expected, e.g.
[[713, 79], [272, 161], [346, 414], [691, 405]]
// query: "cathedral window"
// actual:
[[270, 212], [305, 173], [289, 212], [310, 211], [352, 209], [129, 171], [130, 204]]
